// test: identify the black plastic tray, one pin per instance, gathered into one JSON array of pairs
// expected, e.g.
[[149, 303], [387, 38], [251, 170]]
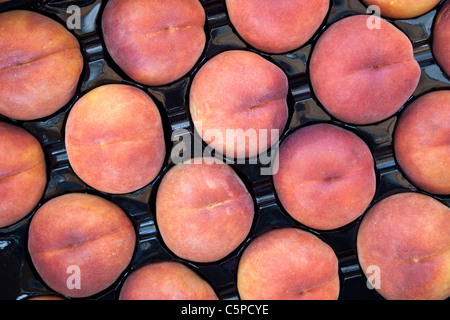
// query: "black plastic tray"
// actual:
[[19, 279]]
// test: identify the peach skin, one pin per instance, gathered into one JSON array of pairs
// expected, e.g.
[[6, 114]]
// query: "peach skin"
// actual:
[[120, 127], [407, 238], [422, 142], [363, 75], [80, 244], [154, 42], [23, 173], [277, 26], [203, 211], [239, 92], [441, 38], [166, 280], [40, 65], [403, 9], [288, 264], [326, 176]]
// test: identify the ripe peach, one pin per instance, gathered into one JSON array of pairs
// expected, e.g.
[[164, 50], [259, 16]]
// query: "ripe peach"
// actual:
[[403, 9], [326, 176], [277, 26], [154, 42], [288, 264], [406, 238], [236, 98], [81, 236], [23, 173], [119, 127], [422, 142], [203, 210], [47, 297], [441, 38], [167, 280], [363, 75], [40, 65]]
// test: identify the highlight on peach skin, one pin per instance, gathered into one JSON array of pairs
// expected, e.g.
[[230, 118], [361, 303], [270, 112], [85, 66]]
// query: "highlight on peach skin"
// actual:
[[407, 237]]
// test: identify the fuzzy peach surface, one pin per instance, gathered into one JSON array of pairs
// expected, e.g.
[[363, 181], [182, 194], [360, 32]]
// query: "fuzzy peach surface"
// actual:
[[40, 65], [326, 176], [154, 42], [23, 173], [407, 236], [288, 264], [441, 38], [403, 9], [277, 26], [422, 142], [166, 280], [203, 211], [362, 75], [239, 91], [114, 139], [85, 231]]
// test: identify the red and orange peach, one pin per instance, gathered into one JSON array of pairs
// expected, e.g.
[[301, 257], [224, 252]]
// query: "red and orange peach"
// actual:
[[403, 241], [277, 26], [422, 142], [403, 9], [360, 74], [326, 176], [114, 139], [40, 65], [441, 38], [166, 280], [154, 42], [80, 244], [288, 264], [203, 210], [23, 173], [238, 103]]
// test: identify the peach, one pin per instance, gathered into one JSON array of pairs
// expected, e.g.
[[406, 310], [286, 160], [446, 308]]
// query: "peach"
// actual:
[[441, 38], [114, 139], [154, 42], [422, 142], [326, 176], [47, 297], [277, 26], [23, 173], [403, 9], [80, 244], [404, 241], [363, 75], [166, 280], [238, 103], [288, 264], [40, 65], [203, 210]]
